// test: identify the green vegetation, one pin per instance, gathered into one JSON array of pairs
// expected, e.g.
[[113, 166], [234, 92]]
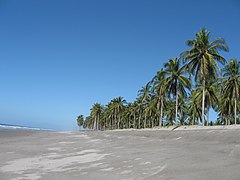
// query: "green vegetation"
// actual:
[[182, 93], [80, 120]]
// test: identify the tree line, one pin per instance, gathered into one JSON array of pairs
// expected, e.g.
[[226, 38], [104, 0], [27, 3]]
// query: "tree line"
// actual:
[[181, 93]]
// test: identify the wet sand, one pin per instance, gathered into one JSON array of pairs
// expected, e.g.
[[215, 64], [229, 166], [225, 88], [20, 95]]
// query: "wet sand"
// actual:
[[185, 153]]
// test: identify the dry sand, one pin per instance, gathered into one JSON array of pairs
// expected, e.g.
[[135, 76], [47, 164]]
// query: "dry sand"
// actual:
[[185, 153]]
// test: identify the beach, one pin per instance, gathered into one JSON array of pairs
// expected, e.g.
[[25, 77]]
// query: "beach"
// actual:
[[183, 153]]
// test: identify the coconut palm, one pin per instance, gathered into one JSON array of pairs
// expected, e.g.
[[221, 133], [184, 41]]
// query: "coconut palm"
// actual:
[[88, 123], [225, 109], [182, 110], [203, 58], [194, 107], [169, 113], [118, 105], [80, 120], [143, 95], [232, 83], [95, 113], [176, 82], [211, 99], [159, 87]]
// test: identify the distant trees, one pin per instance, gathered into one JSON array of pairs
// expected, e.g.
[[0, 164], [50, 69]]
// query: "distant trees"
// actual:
[[182, 92], [80, 120], [231, 81]]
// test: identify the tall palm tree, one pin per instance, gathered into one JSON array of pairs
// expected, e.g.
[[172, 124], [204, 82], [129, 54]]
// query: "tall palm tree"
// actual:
[[232, 83], [194, 107], [127, 115], [95, 113], [176, 82], [183, 110], [118, 105], [143, 95], [211, 99], [80, 120], [169, 113], [159, 87], [88, 123], [202, 59], [225, 109]]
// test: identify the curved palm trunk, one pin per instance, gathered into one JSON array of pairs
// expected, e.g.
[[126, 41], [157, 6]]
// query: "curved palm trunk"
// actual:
[[203, 103], [235, 110]]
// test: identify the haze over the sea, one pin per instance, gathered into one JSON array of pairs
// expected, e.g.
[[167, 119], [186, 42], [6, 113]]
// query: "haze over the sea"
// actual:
[[59, 57]]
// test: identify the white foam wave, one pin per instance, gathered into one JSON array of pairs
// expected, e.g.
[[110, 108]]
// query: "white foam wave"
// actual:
[[20, 127]]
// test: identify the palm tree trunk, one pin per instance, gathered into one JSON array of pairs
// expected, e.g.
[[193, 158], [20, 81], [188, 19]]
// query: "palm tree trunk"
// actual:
[[176, 107], [95, 123], [110, 122], [145, 120], [98, 122], [118, 121], [149, 122], [235, 110], [208, 117], [193, 118], [152, 121], [203, 102], [129, 125], [134, 120], [161, 113], [115, 120], [140, 117]]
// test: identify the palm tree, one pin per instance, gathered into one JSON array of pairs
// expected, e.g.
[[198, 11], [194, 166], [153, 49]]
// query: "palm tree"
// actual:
[[118, 105], [169, 113], [183, 110], [176, 82], [95, 113], [202, 59], [225, 109], [143, 94], [232, 83], [88, 123], [211, 99], [159, 87], [80, 120], [194, 107], [127, 115]]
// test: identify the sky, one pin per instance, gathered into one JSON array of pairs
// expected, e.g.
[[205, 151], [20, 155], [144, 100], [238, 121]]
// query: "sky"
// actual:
[[58, 57]]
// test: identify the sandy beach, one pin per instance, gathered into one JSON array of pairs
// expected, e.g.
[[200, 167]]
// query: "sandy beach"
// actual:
[[185, 153]]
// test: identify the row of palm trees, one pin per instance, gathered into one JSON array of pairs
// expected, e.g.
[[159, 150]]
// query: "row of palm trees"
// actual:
[[183, 92]]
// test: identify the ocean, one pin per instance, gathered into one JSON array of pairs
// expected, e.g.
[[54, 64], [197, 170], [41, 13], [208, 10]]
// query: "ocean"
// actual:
[[18, 127]]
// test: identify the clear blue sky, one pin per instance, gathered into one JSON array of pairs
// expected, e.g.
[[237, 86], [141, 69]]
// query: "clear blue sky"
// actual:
[[58, 57]]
